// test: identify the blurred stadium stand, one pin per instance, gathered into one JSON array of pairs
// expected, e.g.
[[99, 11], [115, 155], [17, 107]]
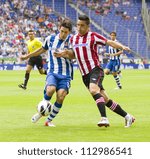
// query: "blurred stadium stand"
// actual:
[[125, 17]]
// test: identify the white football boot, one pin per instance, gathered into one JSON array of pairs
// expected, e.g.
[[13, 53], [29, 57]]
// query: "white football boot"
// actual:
[[103, 122], [129, 120], [49, 123], [35, 117]]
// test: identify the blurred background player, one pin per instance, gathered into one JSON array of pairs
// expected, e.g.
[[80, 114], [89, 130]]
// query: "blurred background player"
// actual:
[[60, 70], [113, 65], [33, 44]]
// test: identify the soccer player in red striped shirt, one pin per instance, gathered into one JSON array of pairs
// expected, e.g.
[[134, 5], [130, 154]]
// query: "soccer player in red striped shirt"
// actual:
[[84, 47]]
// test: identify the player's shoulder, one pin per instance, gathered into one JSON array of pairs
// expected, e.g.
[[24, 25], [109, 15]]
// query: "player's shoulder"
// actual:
[[95, 34], [37, 40], [51, 37], [69, 37]]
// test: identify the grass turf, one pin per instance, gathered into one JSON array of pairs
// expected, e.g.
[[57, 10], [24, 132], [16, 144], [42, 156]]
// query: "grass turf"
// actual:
[[79, 115]]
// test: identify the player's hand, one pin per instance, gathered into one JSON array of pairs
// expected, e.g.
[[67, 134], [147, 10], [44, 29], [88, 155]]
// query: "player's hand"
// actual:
[[60, 54], [23, 57], [126, 48], [106, 54], [57, 54]]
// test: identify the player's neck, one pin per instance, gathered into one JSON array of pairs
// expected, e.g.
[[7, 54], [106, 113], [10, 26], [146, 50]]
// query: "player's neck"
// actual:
[[84, 34], [31, 39]]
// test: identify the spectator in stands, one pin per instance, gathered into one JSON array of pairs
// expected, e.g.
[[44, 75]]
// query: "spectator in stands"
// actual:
[[17, 18]]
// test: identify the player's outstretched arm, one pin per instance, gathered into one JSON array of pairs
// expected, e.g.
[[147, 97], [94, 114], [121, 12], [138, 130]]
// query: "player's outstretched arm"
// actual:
[[118, 53], [65, 53], [118, 45], [35, 53]]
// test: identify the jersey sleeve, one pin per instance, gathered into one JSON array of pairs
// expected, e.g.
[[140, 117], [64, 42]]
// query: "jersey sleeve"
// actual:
[[99, 39], [46, 43]]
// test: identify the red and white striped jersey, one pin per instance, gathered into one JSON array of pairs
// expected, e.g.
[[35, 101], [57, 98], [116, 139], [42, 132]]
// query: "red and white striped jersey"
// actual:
[[85, 48]]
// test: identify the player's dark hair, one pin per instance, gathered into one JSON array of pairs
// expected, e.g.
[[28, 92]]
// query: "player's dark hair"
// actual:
[[84, 18], [113, 33], [30, 31], [67, 24]]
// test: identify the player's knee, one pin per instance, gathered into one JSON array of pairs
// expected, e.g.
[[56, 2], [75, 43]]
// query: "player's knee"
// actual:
[[114, 73], [41, 72], [109, 103], [93, 91], [50, 90], [60, 98], [106, 99], [28, 71], [106, 72]]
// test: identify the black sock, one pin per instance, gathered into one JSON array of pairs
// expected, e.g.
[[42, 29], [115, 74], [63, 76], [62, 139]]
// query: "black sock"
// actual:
[[100, 104], [27, 75], [45, 72], [117, 79], [116, 108]]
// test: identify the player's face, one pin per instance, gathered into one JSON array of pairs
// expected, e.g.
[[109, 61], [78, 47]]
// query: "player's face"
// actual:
[[64, 32], [31, 35], [113, 37], [82, 27]]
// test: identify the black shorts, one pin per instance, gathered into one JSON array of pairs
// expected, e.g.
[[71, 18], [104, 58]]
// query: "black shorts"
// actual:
[[95, 76], [36, 61]]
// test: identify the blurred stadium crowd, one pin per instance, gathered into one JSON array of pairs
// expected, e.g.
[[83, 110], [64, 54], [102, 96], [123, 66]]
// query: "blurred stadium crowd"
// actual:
[[19, 16]]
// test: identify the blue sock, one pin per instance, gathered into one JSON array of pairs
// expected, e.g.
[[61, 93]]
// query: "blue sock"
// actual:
[[46, 97], [55, 110]]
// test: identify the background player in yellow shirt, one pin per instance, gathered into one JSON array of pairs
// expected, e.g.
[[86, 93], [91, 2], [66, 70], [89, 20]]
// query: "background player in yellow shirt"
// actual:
[[32, 45]]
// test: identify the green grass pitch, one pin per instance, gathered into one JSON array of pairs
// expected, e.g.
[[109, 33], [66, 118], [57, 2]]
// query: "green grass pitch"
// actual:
[[77, 120]]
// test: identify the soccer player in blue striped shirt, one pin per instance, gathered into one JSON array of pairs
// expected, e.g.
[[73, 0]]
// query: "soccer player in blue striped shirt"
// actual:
[[114, 64], [60, 70]]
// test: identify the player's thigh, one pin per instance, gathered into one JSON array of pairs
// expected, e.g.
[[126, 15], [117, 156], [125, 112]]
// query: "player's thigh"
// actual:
[[39, 64], [106, 71], [109, 66], [118, 64], [104, 94], [115, 67], [86, 80], [50, 90], [31, 61], [51, 80], [61, 94], [29, 68], [96, 79], [64, 84]]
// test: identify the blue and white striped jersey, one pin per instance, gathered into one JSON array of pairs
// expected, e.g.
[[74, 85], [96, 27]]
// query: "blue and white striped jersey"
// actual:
[[60, 66], [112, 50]]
